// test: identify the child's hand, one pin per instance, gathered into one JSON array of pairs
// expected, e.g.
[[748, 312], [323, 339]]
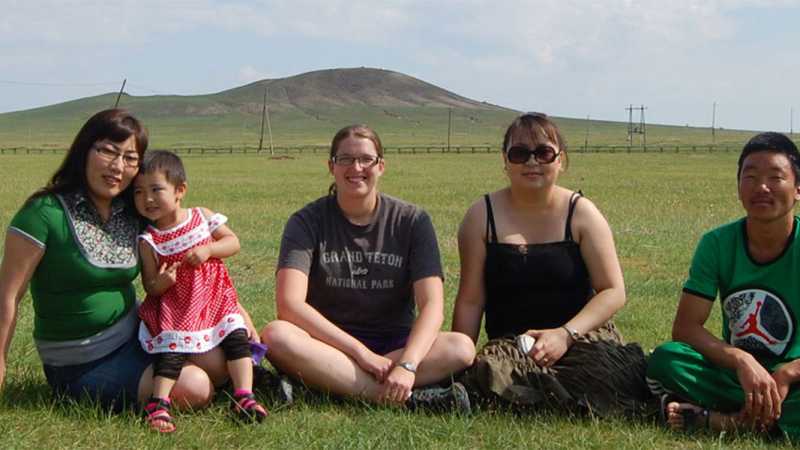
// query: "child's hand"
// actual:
[[197, 256], [168, 275]]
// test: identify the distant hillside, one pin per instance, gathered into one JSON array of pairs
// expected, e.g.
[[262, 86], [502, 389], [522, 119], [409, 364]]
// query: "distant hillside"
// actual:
[[337, 88], [307, 109]]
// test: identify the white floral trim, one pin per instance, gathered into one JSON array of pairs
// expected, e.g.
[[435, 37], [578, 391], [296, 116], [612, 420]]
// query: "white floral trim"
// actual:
[[180, 243], [215, 221], [109, 238], [147, 237], [201, 341]]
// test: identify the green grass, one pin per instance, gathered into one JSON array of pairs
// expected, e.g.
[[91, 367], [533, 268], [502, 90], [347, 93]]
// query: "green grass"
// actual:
[[657, 205]]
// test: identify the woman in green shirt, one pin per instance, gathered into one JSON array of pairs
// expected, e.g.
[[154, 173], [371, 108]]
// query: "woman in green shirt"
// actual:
[[74, 242]]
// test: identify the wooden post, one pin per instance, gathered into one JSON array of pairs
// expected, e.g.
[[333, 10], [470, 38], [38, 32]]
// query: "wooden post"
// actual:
[[116, 103]]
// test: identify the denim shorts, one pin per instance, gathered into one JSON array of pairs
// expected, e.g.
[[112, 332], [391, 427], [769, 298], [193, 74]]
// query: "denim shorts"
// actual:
[[113, 380], [381, 344]]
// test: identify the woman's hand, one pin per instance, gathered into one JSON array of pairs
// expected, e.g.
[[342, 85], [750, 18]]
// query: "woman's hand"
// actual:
[[376, 365], [397, 386], [550, 346], [197, 256]]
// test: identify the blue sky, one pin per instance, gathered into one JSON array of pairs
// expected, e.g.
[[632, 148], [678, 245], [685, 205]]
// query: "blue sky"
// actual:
[[565, 57]]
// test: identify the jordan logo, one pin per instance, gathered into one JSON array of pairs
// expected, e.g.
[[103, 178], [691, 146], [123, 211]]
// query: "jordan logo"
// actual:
[[758, 321], [751, 326]]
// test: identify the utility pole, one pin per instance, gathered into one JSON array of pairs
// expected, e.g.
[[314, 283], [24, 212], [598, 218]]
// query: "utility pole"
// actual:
[[791, 122], [640, 129], [630, 126], [586, 138], [714, 124], [263, 116], [269, 128], [116, 103], [449, 126]]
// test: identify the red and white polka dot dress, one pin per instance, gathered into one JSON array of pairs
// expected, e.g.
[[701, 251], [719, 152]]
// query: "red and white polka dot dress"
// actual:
[[200, 310]]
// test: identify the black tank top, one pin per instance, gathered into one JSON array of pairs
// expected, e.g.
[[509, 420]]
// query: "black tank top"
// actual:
[[533, 286]]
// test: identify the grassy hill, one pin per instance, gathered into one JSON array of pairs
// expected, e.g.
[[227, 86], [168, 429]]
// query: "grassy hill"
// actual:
[[307, 109]]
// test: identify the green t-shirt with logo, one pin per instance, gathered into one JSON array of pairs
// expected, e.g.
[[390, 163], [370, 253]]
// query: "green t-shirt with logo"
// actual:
[[760, 302], [84, 282]]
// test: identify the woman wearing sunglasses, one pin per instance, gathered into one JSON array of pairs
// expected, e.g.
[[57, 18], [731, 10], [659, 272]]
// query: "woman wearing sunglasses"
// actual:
[[352, 267], [539, 260]]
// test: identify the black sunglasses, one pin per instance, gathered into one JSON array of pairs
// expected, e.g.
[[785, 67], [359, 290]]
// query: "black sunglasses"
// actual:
[[542, 154]]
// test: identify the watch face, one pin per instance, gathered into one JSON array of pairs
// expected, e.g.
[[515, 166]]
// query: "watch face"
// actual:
[[408, 366]]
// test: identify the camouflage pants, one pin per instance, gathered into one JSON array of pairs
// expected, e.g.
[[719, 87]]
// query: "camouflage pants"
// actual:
[[599, 374]]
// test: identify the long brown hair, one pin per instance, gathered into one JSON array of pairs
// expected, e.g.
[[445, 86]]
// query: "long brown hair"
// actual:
[[115, 125], [357, 131]]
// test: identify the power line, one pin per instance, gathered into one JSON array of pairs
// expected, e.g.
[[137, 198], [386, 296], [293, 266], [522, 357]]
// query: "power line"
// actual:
[[37, 83], [99, 83]]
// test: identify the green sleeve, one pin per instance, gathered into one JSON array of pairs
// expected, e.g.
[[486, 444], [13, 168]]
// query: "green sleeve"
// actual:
[[31, 221], [703, 278]]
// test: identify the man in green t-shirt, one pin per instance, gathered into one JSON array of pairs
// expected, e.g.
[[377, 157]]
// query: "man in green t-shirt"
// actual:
[[744, 379]]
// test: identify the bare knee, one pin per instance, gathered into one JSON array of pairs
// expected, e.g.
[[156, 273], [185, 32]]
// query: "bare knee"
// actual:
[[463, 349], [460, 349], [193, 390], [279, 336], [213, 364]]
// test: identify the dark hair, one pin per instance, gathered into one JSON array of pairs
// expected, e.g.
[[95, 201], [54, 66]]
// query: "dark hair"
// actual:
[[775, 143], [540, 128], [357, 131], [115, 125], [165, 162]]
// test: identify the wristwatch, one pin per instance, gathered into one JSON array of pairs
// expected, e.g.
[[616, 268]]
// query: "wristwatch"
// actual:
[[408, 365], [573, 333]]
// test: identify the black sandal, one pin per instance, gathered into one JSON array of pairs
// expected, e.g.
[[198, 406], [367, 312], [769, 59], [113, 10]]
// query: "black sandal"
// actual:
[[694, 417]]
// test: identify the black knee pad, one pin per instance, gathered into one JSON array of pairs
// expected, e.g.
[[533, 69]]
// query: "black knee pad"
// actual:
[[168, 365], [236, 345]]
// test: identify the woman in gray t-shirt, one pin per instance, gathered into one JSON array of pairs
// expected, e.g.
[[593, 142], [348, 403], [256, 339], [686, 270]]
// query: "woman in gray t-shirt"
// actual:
[[353, 265]]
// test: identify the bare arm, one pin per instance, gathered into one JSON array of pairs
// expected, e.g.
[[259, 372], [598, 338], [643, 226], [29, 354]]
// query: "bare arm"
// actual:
[[225, 245], [600, 255], [155, 279], [689, 327], [290, 292], [429, 297], [20, 259], [471, 298]]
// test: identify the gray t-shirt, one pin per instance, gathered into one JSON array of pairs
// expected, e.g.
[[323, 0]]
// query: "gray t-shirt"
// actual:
[[361, 276]]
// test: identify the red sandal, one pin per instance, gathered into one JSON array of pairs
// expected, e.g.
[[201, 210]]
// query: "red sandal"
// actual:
[[156, 415], [245, 407]]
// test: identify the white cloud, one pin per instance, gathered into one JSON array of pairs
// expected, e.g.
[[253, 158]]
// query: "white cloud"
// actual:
[[249, 74]]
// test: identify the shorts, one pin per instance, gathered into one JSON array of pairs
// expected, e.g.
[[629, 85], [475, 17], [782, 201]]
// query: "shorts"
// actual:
[[113, 380], [381, 344]]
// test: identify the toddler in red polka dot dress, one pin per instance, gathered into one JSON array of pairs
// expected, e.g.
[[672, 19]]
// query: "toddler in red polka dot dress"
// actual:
[[191, 305]]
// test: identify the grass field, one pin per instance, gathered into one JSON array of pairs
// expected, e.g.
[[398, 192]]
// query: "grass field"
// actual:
[[657, 205]]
